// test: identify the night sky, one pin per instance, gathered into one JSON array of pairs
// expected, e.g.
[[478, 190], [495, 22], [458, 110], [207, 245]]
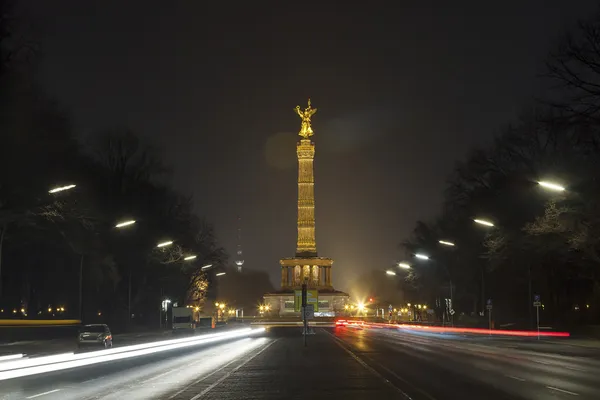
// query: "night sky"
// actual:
[[403, 92]]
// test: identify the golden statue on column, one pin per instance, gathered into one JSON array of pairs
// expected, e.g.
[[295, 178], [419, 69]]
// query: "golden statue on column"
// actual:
[[305, 129]]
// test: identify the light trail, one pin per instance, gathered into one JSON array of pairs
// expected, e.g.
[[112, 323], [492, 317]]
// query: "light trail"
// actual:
[[10, 357], [439, 329], [59, 362]]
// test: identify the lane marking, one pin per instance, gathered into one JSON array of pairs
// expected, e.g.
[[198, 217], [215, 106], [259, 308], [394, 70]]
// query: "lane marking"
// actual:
[[227, 375], [562, 390], [43, 394], [515, 377], [377, 374]]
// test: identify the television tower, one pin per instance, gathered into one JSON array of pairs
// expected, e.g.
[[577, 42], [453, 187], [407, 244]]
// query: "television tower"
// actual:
[[239, 260]]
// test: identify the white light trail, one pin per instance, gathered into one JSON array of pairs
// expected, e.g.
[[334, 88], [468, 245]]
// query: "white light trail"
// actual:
[[42, 365], [11, 357]]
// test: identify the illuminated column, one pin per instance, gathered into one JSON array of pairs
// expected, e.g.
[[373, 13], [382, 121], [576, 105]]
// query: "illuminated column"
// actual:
[[306, 245]]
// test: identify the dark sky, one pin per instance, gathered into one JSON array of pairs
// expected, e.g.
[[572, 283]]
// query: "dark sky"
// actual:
[[403, 89]]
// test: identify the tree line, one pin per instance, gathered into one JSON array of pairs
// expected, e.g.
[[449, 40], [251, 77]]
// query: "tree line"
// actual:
[[544, 241], [62, 249]]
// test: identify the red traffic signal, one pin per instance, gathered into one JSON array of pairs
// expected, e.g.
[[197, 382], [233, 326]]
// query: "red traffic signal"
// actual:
[[370, 299]]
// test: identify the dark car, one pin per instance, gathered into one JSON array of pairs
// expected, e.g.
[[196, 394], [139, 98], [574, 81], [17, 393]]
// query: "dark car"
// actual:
[[95, 335]]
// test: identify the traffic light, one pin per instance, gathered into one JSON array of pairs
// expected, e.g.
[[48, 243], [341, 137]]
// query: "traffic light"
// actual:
[[370, 299]]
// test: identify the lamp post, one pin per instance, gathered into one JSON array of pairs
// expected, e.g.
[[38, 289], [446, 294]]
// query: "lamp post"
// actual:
[[448, 306]]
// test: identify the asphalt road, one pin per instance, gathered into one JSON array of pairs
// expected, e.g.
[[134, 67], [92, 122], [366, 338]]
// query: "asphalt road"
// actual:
[[434, 366], [342, 362], [157, 376]]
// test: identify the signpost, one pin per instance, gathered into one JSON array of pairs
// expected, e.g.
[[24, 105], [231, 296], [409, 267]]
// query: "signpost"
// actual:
[[304, 319], [312, 297], [309, 312], [537, 304], [489, 308]]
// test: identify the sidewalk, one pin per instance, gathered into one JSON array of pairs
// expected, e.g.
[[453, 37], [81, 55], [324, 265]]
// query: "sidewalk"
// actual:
[[288, 370]]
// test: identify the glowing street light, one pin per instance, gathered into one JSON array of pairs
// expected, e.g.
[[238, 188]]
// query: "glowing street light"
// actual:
[[165, 244], [360, 306], [390, 272], [220, 274], [125, 223], [61, 188], [483, 222], [188, 258], [404, 265], [206, 266], [422, 256], [551, 186], [446, 243]]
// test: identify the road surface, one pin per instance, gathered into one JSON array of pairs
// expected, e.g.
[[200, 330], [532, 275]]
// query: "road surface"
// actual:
[[343, 362], [434, 366]]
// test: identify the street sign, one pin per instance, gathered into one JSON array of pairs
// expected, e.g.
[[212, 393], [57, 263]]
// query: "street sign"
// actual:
[[489, 304], [312, 297], [537, 301], [390, 308], [309, 312], [452, 312]]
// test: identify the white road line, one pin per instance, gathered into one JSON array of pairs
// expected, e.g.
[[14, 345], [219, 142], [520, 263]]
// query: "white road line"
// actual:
[[43, 394], [227, 375], [515, 377], [562, 391]]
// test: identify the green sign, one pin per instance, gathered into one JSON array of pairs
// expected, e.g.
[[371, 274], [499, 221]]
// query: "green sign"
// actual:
[[312, 297]]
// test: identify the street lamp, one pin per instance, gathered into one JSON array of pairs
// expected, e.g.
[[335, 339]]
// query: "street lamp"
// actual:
[[61, 188], [220, 274], [422, 256], [404, 265], [446, 243], [125, 223], [165, 244], [206, 267], [390, 272], [188, 258], [551, 186], [483, 222]]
